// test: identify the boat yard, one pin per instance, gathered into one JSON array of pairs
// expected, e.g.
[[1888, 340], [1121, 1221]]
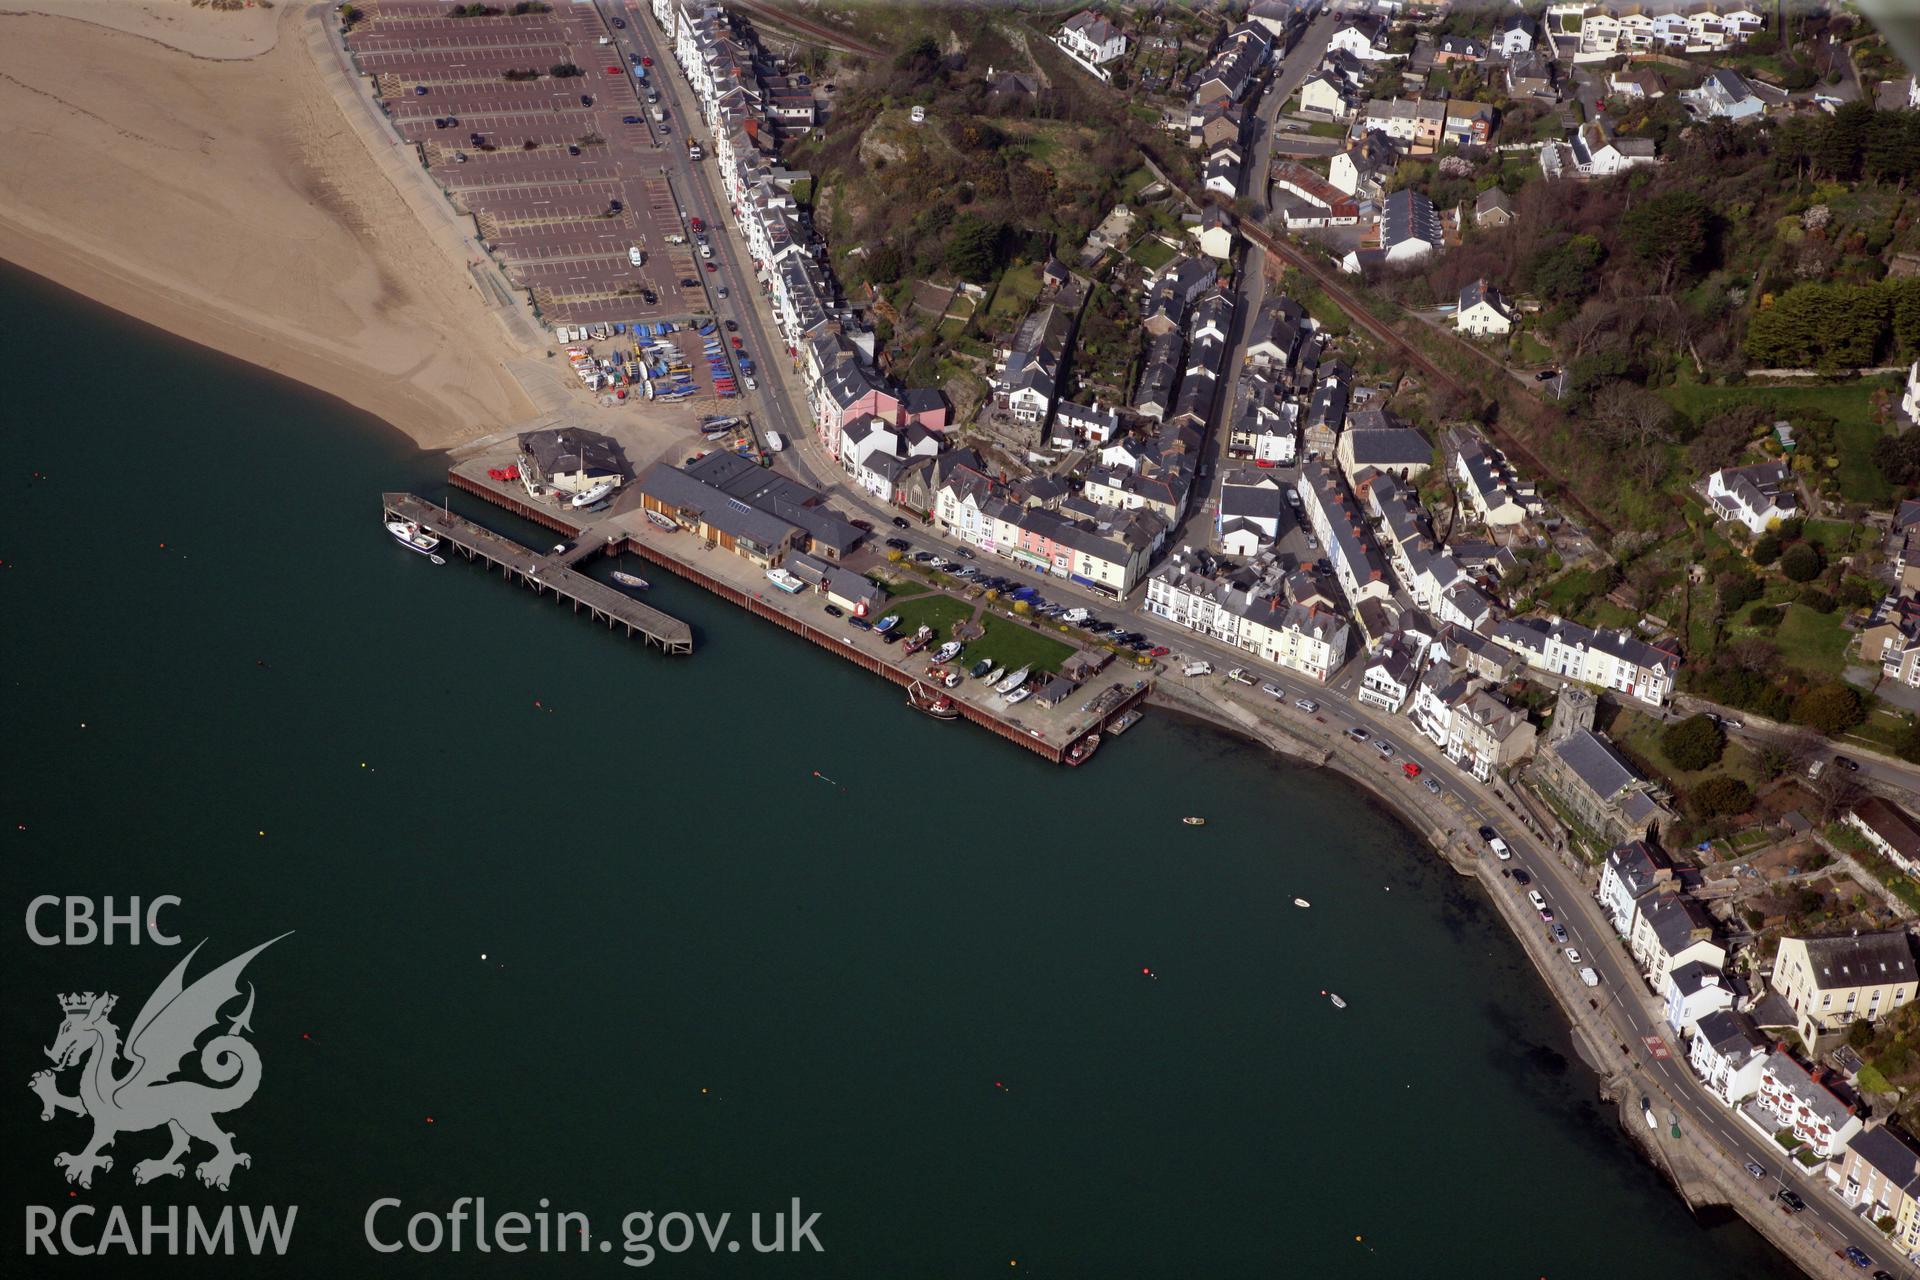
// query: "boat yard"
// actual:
[[1047, 713]]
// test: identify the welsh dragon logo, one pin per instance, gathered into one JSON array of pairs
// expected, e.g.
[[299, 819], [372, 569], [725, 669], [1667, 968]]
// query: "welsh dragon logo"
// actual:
[[146, 1096]]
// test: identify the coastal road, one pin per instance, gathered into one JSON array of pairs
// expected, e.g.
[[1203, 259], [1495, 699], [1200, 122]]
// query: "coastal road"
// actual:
[[1465, 805]]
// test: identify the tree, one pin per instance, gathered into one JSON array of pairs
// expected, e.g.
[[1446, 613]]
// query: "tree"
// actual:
[[973, 253], [1831, 708], [884, 265], [1564, 270], [1693, 744], [1859, 1034], [1802, 562], [1736, 592], [1668, 232], [1767, 548], [1720, 797], [1898, 457], [1637, 425]]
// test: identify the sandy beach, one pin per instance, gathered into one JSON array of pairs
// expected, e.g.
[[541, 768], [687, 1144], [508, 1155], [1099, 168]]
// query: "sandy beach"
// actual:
[[192, 169]]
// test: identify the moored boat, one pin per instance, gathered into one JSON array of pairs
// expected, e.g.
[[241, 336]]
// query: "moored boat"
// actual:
[[1195, 822], [626, 579], [948, 651], [1080, 751], [411, 536], [1019, 695], [1123, 722], [1338, 1003], [1301, 902], [784, 580], [931, 702], [1013, 681]]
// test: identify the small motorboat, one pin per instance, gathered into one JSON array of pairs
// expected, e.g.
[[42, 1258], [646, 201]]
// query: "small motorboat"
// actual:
[[887, 623], [787, 582], [1019, 695], [1124, 723], [1338, 1003], [626, 579], [948, 651], [1195, 822], [410, 535], [1301, 902]]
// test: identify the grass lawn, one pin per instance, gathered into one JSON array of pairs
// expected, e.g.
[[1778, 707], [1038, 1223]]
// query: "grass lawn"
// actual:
[[1605, 613], [952, 327], [1814, 642], [1018, 288], [1151, 252], [1326, 129], [1850, 403], [1639, 735], [1139, 179], [1528, 349], [1013, 645], [937, 611], [1836, 537]]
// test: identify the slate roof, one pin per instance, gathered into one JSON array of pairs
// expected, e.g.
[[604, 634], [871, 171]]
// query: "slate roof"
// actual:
[[1858, 961], [1892, 825], [1600, 768]]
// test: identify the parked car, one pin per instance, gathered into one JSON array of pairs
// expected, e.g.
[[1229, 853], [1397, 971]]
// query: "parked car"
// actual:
[[1546, 375], [1756, 1169], [572, 150], [923, 556], [586, 99], [1307, 705], [861, 623], [835, 611], [1522, 877], [1158, 651], [1432, 786], [1273, 690], [1357, 733], [1500, 849], [899, 544], [862, 524], [1791, 1199], [1411, 769], [1858, 1257], [688, 282], [967, 552], [629, 119], [1572, 954], [646, 62], [1384, 747], [614, 71], [899, 523], [1848, 763], [1538, 899]]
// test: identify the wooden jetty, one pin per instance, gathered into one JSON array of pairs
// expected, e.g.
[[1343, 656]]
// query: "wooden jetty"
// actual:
[[545, 572]]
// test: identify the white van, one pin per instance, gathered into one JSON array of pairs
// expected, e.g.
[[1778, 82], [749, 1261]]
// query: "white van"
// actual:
[[1198, 669], [1500, 849], [1588, 976]]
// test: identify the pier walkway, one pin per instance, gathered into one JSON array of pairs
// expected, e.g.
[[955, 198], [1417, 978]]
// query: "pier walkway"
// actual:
[[551, 572]]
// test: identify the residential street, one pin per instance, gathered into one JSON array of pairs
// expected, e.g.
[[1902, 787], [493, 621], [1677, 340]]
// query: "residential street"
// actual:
[[1628, 1017]]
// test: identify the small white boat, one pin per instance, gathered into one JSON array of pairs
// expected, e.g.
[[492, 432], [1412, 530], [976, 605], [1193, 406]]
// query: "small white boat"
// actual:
[[1301, 902], [663, 522], [1195, 822], [588, 497], [626, 579], [411, 536], [1013, 681], [1338, 1003], [994, 676], [887, 623], [948, 651], [784, 580], [1019, 695]]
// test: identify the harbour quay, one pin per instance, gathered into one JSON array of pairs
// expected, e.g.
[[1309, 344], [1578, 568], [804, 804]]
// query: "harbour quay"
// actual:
[[770, 545]]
